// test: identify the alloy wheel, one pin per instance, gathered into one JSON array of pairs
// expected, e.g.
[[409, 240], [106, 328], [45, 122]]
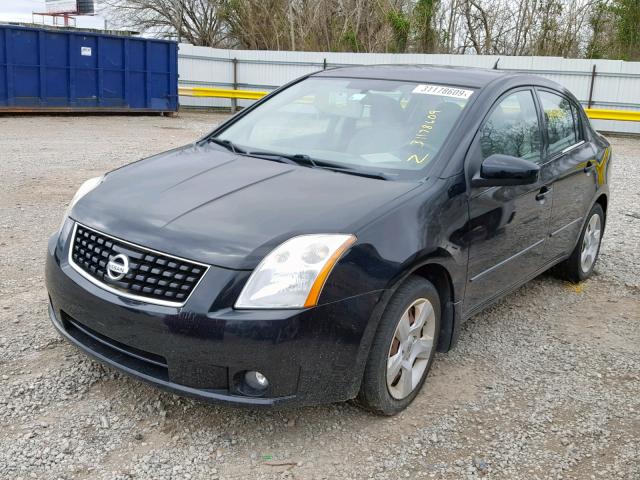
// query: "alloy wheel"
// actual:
[[410, 348], [590, 243]]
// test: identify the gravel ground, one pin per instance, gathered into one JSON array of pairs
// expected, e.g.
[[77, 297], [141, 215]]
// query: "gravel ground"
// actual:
[[545, 384]]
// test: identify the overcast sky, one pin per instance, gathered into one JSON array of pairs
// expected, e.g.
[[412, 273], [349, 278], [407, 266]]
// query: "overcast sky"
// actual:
[[20, 11]]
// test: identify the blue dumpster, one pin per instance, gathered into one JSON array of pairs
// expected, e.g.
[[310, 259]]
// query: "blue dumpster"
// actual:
[[44, 69]]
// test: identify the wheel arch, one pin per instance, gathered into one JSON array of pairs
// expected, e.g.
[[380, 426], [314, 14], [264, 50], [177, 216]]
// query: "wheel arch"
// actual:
[[430, 268], [603, 201], [440, 277]]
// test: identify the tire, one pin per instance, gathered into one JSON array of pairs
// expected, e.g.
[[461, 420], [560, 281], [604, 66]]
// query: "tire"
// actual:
[[416, 295], [574, 268]]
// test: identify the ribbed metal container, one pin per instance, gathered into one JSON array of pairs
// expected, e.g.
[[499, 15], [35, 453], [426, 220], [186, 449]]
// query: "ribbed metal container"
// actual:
[[45, 69]]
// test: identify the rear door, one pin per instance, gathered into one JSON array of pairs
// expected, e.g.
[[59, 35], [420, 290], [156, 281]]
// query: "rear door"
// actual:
[[571, 161], [508, 224]]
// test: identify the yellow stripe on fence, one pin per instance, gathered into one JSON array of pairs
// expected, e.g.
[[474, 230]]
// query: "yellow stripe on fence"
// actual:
[[593, 113], [221, 93], [621, 115]]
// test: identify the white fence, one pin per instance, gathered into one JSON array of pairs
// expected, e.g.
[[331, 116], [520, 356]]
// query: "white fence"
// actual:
[[614, 85]]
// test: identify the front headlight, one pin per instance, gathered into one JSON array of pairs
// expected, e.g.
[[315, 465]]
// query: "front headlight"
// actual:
[[85, 188], [292, 275]]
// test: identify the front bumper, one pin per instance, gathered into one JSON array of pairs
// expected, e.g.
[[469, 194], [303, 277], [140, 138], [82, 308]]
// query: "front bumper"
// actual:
[[202, 349]]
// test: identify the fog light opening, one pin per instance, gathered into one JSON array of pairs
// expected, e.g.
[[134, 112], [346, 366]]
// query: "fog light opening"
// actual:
[[251, 383], [256, 380]]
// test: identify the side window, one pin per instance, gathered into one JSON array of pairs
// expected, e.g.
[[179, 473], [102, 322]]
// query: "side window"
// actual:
[[561, 127], [512, 128]]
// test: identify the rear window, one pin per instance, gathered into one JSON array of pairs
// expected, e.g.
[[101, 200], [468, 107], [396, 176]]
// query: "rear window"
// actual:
[[376, 125]]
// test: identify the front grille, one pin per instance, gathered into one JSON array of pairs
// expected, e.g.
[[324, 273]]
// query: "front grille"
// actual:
[[152, 275]]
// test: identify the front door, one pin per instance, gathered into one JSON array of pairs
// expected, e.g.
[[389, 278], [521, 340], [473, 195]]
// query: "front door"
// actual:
[[573, 164], [508, 224]]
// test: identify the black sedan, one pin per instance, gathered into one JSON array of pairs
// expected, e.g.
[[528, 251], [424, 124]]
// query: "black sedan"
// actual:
[[321, 245]]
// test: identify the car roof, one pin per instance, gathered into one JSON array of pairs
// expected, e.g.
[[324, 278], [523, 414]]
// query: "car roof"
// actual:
[[448, 75]]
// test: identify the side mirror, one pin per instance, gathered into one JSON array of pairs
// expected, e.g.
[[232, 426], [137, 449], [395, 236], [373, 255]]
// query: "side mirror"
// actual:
[[500, 170]]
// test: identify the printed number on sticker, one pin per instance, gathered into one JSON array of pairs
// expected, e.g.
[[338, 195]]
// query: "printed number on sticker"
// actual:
[[442, 91]]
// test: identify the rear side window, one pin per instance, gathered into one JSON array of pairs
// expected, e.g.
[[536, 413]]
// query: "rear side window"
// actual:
[[577, 121], [561, 121], [512, 128]]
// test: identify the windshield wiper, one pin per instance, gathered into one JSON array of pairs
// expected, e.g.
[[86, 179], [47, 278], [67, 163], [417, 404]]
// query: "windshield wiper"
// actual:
[[359, 173], [229, 145], [297, 159], [302, 159]]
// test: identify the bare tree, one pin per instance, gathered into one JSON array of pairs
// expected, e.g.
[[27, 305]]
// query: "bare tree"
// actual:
[[480, 20], [192, 21], [570, 28], [316, 25]]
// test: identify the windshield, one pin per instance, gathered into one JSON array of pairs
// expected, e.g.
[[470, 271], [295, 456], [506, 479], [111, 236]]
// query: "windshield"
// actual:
[[388, 127]]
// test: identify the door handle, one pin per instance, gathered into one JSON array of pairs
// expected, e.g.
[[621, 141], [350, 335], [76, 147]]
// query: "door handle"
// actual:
[[588, 168], [542, 194]]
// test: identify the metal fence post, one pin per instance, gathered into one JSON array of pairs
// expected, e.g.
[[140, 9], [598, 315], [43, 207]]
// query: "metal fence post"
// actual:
[[324, 64], [593, 79], [234, 102]]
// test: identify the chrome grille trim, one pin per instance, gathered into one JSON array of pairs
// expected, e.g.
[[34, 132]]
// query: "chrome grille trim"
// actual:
[[121, 292]]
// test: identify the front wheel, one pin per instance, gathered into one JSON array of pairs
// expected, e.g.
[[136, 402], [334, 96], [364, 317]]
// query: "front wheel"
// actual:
[[579, 266], [403, 348]]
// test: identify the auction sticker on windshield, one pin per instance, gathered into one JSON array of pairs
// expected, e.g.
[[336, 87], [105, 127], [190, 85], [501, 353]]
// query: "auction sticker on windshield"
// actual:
[[443, 91]]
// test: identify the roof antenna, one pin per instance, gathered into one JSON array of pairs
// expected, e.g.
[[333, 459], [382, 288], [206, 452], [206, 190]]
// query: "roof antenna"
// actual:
[[495, 65]]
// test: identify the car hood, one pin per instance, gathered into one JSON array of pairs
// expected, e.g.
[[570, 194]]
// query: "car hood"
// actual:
[[204, 204]]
